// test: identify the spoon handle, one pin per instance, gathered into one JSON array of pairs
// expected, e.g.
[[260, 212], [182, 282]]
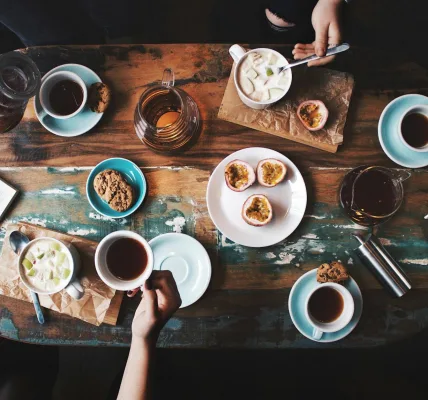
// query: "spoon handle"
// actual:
[[37, 307], [332, 50]]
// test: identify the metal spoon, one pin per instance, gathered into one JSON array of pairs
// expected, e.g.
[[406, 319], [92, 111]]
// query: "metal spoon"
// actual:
[[18, 241], [332, 50]]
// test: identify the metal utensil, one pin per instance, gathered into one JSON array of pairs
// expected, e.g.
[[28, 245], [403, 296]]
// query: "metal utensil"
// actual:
[[332, 50], [385, 269], [18, 241]]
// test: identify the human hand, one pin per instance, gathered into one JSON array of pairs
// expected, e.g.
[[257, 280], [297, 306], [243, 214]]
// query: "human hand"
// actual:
[[160, 300], [325, 20]]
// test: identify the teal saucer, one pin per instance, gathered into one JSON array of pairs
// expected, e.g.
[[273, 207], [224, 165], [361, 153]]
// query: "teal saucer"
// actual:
[[131, 173], [188, 262], [388, 132], [80, 123], [297, 301]]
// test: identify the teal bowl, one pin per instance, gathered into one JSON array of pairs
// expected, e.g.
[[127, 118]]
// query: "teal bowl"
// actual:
[[130, 172]]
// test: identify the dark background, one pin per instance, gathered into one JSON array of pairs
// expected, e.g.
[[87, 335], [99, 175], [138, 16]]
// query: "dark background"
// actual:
[[390, 372]]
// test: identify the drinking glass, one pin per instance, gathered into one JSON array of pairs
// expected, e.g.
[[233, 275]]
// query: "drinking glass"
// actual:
[[19, 81]]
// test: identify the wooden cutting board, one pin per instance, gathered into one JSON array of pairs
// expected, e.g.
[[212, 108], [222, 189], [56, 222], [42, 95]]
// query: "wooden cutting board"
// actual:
[[334, 88], [100, 304]]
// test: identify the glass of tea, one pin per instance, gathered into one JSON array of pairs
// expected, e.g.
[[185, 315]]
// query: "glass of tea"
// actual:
[[166, 118], [370, 195]]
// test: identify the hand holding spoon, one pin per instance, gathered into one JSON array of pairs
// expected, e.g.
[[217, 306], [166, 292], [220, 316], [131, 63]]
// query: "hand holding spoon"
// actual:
[[18, 241], [332, 50]]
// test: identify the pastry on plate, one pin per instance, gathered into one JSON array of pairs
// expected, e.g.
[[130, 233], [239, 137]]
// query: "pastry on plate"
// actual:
[[333, 272]]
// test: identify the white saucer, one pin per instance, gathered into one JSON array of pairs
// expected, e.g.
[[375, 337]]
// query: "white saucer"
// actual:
[[188, 261], [288, 201]]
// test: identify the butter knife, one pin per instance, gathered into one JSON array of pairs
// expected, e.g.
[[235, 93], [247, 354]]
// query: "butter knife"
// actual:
[[332, 50]]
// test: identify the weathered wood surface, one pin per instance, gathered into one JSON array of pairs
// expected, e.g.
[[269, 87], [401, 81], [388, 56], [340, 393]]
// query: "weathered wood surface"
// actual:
[[246, 304]]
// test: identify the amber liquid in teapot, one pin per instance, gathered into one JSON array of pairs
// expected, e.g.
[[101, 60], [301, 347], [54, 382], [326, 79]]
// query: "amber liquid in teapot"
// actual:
[[368, 196]]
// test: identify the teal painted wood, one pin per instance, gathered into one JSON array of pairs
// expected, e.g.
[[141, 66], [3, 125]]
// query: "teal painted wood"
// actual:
[[241, 308]]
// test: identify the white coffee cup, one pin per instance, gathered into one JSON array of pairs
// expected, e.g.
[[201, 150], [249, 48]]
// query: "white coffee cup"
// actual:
[[48, 84], [341, 321], [418, 109], [101, 262], [239, 54], [71, 284]]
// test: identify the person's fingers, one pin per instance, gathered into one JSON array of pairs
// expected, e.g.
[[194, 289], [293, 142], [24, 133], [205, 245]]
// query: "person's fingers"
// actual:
[[304, 46], [149, 300], [321, 39], [300, 55], [300, 51], [334, 34], [321, 61], [163, 279]]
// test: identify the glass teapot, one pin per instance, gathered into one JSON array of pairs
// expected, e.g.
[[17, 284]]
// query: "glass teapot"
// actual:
[[370, 195], [166, 118]]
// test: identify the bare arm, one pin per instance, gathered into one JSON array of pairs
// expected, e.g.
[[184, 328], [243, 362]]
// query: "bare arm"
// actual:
[[160, 300]]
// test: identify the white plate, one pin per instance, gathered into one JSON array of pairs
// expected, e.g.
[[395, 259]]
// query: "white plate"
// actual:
[[188, 261], [288, 201]]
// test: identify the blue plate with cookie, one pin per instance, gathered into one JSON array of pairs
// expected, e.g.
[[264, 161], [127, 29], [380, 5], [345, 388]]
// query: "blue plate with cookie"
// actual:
[[116, 187]]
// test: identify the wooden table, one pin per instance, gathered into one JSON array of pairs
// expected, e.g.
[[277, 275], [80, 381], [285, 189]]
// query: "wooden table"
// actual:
[[246, 304]]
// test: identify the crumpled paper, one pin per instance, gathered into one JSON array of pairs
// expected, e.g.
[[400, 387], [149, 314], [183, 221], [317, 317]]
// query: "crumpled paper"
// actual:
[[93, 307], [334, 88]]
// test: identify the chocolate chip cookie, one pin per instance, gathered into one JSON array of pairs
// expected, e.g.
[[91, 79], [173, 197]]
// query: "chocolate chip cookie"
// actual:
[[333, 272], [112, 187], [99, 97]]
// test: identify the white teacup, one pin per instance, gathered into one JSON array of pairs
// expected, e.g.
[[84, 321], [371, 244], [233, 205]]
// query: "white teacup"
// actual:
[[341, 321], [419, 109], [71, 284], [48, 84], [239, 55], [101, 262]]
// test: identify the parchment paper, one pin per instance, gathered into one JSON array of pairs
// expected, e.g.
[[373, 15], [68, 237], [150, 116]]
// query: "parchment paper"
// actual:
[[91, 308], [332, 87]]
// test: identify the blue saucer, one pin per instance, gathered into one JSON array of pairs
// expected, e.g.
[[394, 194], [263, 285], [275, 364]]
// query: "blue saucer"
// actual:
[[132, 174], [80, 123], [388, 132], [297, 301]]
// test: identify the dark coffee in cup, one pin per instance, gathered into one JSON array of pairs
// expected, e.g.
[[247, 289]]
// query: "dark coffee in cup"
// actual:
[[414, 129], [326, 304], [127, 259], [66, 97]]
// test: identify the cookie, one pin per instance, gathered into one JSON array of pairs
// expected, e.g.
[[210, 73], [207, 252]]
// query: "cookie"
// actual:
[[333, 272], [112, 187], [99, 97]]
